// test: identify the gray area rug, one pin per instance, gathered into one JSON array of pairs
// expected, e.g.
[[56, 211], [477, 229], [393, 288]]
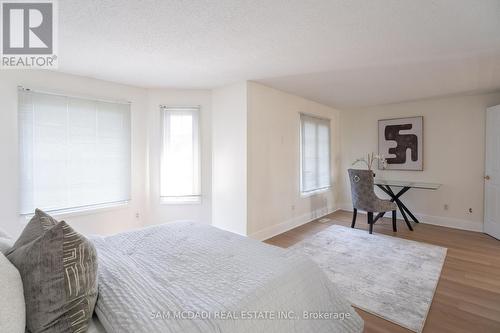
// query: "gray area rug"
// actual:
[[390, 277]]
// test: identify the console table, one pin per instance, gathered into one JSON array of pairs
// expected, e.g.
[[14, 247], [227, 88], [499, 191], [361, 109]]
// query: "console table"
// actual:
[[387, 185]]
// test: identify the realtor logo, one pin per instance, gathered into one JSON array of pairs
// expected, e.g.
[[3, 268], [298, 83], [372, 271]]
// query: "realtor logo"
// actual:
[[28, 34]]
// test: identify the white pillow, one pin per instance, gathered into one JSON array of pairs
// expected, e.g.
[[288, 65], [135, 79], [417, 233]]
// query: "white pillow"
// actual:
[[12, 306], [5, 242], [3, 234]]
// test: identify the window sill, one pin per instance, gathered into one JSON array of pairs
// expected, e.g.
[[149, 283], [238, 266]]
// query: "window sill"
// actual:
[[73, 212], [171, 201], [315, 192]]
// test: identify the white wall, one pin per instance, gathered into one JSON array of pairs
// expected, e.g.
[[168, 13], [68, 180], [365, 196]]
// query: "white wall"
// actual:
[[157, 212], [104, 221], [274, 201], [250, 148], [145, 152], [454, 138], [229, 158]]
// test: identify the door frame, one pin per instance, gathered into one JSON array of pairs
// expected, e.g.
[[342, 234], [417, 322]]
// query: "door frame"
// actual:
[[490, 229]]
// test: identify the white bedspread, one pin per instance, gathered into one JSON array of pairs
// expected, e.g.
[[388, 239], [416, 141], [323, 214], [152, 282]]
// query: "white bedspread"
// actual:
[[216, 281]]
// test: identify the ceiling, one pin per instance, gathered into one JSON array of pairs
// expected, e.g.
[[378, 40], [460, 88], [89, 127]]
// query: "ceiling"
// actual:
[[343, 53]]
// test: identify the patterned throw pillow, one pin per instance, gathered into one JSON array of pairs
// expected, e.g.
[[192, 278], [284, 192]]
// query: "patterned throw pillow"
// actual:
[[58, 267]]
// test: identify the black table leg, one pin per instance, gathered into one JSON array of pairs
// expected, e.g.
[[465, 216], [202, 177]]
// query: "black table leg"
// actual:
[[402, 205], [393, 198], [409, 213], [402, 208]]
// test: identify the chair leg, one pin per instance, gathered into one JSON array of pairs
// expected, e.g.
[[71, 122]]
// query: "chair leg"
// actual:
[[394, 228], [354, 214], [370, 221]]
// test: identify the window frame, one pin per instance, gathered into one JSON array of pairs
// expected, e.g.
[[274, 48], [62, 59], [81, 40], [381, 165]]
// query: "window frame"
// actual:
[[322, 189], [85, 209], [195, 199]]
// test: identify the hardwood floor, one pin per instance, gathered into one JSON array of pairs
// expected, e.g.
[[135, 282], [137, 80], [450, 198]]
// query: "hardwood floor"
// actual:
[[467, 298]]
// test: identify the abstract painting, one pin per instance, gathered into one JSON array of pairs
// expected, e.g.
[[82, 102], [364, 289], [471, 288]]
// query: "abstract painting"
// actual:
[[401, 140]]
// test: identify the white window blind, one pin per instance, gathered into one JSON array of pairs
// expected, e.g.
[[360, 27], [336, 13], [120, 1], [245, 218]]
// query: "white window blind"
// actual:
[[74, 152], [180, 160], [315, 153]]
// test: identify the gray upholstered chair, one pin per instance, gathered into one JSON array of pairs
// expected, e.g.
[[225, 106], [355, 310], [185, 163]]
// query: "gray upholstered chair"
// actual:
[[364, 198]]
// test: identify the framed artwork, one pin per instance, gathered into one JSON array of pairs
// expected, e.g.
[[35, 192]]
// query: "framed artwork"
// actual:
[[401, 141]]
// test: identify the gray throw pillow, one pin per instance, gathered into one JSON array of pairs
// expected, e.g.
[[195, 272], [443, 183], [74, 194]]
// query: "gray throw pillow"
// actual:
[[59, 273]]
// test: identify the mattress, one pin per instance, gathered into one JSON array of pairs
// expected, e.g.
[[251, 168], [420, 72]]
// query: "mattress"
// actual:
[[187, 277], [96, 326]]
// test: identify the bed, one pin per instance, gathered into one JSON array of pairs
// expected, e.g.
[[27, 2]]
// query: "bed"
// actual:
[[187, 277], [95, 326]]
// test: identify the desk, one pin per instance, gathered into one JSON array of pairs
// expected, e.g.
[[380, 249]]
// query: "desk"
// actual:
[[386, 186]]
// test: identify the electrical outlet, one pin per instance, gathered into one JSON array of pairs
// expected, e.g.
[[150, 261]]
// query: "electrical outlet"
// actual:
[[137, 215], [446, 207], [470, 210], [293, 207]]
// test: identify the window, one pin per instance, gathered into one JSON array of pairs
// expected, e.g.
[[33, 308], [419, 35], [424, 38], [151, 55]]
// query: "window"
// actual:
[[315, 154], [74, 152], [180, 160]]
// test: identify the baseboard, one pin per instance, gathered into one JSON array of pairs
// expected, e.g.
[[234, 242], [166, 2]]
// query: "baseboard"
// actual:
[[441, 221], [316, 214], [290, 224]]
